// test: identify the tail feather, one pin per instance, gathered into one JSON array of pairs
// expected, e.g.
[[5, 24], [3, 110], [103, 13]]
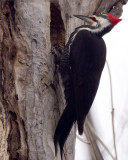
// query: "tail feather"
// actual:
[[65, 134], [80, 126], [63, 128], [68, 117]]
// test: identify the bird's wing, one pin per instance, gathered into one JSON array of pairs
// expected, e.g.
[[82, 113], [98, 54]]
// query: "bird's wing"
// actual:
[[87, 55]]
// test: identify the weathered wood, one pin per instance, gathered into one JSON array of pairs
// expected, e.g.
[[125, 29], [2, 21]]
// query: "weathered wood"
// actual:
[[31, 99]]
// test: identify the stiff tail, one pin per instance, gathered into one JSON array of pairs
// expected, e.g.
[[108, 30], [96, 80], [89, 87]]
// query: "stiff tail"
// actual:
[[68, 117], [63, 128]]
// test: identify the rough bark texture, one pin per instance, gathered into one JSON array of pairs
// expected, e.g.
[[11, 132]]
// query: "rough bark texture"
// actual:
[[31, 96]]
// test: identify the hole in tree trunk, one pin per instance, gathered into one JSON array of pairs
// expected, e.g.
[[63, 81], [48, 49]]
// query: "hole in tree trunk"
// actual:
[[57, 30]]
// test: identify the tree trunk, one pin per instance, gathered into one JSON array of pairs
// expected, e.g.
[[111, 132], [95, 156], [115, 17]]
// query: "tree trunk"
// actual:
[[31, 94]]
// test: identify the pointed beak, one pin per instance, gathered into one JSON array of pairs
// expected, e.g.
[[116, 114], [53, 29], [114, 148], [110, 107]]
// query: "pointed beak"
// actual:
[[81, 17], [84, 18]]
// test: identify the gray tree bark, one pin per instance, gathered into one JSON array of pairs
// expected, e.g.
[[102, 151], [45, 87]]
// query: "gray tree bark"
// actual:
[[31, 94]]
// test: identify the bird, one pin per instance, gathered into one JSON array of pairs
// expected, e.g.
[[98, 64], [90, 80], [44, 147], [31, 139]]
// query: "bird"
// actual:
[[80, 66]]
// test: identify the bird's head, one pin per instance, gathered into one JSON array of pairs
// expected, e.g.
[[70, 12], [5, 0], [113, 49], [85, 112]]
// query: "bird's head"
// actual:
[[102, 21]]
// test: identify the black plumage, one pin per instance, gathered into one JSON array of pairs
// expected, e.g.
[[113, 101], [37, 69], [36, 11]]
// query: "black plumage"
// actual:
[[86, 67], [81, 65]]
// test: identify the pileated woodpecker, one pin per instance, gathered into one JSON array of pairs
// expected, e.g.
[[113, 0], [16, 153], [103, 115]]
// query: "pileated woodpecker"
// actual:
[[80, 66]]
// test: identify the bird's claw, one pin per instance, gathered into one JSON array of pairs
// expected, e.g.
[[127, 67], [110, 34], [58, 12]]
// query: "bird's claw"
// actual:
[[57, 51]]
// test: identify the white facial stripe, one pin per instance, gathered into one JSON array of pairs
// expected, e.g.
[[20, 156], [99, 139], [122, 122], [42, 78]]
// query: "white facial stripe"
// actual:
[[100, 27], [103, 24]]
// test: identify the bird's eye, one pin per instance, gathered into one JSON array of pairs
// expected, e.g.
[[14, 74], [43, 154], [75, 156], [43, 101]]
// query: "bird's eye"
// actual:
[[94, 19]]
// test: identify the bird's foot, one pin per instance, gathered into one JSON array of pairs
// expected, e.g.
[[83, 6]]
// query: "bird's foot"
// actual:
[[57, 51]]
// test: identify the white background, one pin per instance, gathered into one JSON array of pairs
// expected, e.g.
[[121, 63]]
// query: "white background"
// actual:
[[100, 113]]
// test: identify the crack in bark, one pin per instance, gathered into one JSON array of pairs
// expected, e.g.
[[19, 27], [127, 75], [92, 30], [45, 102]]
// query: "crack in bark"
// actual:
[[57, 30], [13, 139], [11, 120], [3, 100], [9, 25], [9, 12], [25, 133]]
